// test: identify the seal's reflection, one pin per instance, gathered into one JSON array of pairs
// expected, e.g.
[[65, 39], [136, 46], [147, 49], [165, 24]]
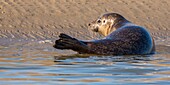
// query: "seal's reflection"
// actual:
[[90, 57]]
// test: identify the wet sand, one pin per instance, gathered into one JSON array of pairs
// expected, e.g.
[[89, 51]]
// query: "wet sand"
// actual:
[[45, 19]]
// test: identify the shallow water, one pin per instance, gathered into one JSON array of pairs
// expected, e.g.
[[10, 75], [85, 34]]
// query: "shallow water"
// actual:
[[38, 63]]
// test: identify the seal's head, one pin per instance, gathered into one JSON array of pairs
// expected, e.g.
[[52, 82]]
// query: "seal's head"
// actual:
[[106, 23]]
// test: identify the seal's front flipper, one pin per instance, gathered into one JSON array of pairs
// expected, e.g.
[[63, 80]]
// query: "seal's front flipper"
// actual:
[[59, 44], [67, 42], [62, 36]]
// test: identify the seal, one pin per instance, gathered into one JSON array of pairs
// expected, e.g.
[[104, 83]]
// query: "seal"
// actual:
[[122, 37]]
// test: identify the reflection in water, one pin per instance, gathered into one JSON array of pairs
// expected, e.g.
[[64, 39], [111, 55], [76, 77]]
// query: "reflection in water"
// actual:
[[123, 58], [37, 63]]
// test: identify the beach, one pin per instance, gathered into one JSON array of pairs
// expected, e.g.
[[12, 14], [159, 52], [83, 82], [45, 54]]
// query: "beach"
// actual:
[[44, 19]]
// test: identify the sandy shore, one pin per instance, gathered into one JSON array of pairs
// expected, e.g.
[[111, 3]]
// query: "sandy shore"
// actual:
[[47, 18]]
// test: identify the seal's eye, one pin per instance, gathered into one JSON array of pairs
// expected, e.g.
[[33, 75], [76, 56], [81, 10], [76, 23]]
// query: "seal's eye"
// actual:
[[104, 21], [98, 21]]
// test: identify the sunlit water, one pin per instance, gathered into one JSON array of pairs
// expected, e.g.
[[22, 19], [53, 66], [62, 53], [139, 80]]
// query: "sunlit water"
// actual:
[[38, 63]]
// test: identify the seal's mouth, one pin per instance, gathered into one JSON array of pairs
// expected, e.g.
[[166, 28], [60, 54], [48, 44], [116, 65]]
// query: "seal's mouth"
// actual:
[[95, 29]]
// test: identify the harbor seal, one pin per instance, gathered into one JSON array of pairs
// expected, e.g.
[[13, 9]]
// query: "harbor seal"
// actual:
[[122, 37]]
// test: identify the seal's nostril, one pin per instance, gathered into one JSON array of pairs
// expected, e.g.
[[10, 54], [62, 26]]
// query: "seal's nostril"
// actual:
[[89, 24]]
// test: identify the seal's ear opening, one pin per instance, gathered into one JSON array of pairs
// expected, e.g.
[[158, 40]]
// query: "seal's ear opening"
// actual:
[[104, 21]]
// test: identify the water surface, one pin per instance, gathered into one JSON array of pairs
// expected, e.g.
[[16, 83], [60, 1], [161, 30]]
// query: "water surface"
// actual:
[[38, 63]]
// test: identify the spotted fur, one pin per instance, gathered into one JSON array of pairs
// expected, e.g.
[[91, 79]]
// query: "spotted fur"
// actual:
[[122, 38]]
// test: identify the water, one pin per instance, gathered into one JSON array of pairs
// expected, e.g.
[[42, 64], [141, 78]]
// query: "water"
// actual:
[[38, 63]]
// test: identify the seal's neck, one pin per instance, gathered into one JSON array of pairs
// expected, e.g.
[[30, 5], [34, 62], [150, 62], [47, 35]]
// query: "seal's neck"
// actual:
[[119, 23]]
